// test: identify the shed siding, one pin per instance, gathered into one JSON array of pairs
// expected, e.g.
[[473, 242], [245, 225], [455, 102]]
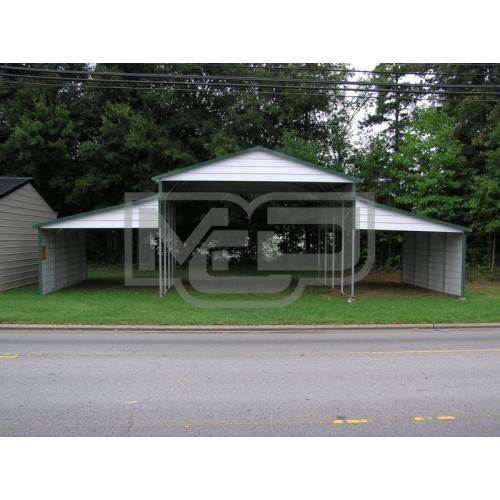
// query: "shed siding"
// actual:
[[433, 261], [66, 259], [19, 210]]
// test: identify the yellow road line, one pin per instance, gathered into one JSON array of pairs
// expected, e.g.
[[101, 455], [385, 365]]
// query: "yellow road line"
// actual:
[[341, 421], [9, 356], [351, 421], [441, 417]]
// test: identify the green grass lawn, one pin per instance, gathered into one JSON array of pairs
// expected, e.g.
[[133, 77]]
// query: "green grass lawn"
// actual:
[[379, 299]]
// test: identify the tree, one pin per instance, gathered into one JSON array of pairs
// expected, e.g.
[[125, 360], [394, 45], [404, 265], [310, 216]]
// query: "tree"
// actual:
[[377, 159], [484, 201], [433, 162], [394, 102], [39, 130]]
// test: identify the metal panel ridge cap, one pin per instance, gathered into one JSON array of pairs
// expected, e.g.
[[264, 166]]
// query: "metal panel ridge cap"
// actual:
[[256, 148]]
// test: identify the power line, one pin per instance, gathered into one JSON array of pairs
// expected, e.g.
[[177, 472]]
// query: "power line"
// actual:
[[298, 91], [264, 89], [430, 72], [249, 78], [270, 66], [347, 88]]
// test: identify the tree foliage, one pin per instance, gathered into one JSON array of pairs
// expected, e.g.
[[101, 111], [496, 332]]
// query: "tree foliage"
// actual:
[[93, 135]]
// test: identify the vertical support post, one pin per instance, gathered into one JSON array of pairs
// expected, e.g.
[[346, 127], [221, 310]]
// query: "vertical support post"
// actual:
[[40, 267], [353, 242], [165, 250], [170, 254], [464, 241], [318, 230], [414, 236], [353, 250], [174, 241], [333, 246], [160, 238], [326, 253], [403, 271], [342, 249], [428, 258], [445, 245]]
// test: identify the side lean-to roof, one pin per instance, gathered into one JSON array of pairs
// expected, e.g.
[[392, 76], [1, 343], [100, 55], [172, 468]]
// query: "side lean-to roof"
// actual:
[[144, 214], [394, 219], [257, 164], [138, 214]]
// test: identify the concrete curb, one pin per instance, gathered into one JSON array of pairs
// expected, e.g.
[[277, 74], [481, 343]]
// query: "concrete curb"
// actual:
[[219, 328]]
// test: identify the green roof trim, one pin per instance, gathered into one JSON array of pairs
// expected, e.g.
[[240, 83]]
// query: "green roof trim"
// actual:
[[91, 212], [348, 178], [422, 217]]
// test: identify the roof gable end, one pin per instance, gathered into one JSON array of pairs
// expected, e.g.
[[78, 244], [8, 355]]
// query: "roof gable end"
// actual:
[[257, 164]]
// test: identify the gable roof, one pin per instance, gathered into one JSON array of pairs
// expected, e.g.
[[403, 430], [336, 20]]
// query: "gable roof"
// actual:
[[10, 184], [256, 164]]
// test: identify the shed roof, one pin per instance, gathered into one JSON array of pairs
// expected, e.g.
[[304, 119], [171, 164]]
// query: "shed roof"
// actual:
[[10, 184], [257, 164]]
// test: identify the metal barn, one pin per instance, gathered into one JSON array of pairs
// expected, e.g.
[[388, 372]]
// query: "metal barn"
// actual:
[[434, 251], [21, 205]]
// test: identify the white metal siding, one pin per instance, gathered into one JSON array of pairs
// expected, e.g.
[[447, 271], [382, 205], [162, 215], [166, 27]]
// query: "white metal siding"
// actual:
[[258, 165], [434, 261], [19, 210], [66, 259]]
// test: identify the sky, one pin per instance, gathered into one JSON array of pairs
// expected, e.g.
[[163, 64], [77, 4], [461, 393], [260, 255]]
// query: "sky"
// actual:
[[363, 32]]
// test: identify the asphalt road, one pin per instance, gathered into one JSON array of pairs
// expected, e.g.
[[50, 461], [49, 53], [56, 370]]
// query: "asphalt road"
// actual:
[[328, 383]]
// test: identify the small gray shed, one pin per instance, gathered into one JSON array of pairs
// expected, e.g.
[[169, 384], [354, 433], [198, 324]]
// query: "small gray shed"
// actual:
[[21, 205]]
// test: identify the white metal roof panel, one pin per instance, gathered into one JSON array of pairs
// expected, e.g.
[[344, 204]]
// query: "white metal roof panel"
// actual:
[[144, 214], [384, 218], [256, 165]]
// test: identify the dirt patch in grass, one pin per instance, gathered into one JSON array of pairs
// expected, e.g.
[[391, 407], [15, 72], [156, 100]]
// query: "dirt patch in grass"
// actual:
[[375, 284], [388, 284], [483, 284]]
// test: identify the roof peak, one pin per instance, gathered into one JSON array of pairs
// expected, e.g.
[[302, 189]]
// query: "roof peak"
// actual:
[[297, 161]]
